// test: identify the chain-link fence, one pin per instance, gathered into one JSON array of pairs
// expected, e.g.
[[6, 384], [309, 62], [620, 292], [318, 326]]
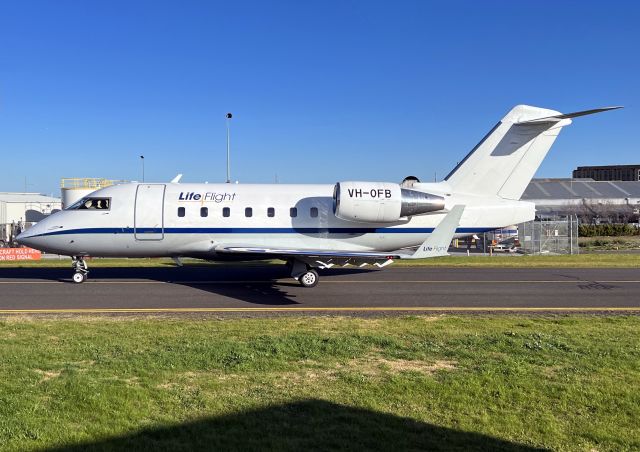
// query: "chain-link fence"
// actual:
[[556, 236]]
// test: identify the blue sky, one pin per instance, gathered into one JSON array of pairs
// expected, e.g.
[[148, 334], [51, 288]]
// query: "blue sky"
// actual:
[[321, 91]]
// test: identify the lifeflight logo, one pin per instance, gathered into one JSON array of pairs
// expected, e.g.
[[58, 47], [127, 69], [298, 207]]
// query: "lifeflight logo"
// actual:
[[208, 196], [437, 249]]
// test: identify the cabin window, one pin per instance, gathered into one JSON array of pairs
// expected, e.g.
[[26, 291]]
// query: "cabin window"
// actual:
[[91, 204], [181, 212], [314, 212], [293, 212], [204, 211], [226, 212], [248, 212], [271, 212]]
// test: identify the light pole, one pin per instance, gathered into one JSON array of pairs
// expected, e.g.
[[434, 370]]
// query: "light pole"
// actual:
[[142, 159], [229, 116]]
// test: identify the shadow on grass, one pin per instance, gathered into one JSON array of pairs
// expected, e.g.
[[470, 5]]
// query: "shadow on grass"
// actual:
[[305, 425]]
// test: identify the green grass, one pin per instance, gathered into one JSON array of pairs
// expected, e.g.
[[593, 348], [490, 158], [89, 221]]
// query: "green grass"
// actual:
[[618, 260], [296, 383], [609, 243]]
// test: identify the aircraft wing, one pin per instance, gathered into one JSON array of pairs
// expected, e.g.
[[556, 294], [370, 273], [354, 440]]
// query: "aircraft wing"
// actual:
[[315, 258], [435, 245]]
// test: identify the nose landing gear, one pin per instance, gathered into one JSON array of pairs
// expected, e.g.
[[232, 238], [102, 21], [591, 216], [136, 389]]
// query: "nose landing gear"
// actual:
[[80, 269]]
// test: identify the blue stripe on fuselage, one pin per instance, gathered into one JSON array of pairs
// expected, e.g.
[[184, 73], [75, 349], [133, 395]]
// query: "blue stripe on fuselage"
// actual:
[[259, 231]]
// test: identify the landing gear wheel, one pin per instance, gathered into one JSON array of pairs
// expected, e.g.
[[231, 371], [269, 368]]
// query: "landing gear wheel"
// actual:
[[309, 278], [80, 269]]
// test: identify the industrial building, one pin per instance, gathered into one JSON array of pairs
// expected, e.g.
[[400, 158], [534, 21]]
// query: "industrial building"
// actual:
[[19, 210], [608, 173], [591, 201]]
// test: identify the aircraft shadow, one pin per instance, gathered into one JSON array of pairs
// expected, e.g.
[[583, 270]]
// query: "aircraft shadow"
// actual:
[[254, 284], [304, 425]]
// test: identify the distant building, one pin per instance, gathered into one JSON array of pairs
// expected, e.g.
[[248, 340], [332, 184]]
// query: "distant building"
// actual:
[[608, 173], [20, 210], [588, 199]]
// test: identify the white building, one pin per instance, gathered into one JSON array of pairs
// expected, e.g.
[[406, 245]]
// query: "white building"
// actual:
[[18, 210]]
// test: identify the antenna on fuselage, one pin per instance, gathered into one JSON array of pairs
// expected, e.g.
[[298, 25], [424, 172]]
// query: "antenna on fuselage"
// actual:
[[229, 116]]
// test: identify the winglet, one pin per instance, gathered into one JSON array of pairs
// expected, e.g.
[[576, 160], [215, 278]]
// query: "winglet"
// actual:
[[437, 244], [176, 180], [558, 118]]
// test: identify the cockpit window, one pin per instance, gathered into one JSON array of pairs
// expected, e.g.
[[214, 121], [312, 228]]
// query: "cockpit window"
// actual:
[[91, 204]]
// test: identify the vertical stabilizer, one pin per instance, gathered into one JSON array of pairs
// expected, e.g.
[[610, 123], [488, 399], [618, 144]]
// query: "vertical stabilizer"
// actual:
[[507, 158]]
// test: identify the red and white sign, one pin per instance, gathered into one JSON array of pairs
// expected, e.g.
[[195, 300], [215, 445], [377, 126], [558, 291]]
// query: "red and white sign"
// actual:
[[19, 254]]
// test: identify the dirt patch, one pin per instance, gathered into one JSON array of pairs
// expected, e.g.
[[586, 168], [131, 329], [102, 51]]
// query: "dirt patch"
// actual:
[[131, 381], [208, 375], [190, 379], [48, 374], [403, 365], [303, 377], [377, 365], [551, 371], [371, 366]]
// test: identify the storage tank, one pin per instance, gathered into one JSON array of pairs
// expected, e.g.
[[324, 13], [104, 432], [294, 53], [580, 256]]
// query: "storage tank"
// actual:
[[75, 188]]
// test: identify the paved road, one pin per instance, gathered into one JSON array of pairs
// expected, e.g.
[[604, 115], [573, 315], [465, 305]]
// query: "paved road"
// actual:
[[258, 289]]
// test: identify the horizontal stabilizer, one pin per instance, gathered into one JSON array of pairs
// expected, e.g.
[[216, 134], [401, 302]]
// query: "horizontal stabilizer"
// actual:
[[558, 118]]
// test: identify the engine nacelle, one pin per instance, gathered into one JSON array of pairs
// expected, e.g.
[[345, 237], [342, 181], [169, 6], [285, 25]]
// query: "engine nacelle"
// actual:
[[381, 202]]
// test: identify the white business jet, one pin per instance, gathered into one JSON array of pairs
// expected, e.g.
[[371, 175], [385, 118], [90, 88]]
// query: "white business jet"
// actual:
[[312, 226]]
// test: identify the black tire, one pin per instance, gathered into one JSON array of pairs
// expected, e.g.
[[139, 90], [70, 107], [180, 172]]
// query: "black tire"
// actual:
[[309, 278], [79, 278]]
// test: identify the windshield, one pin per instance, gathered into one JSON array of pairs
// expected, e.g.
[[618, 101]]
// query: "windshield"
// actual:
[[91, 204]]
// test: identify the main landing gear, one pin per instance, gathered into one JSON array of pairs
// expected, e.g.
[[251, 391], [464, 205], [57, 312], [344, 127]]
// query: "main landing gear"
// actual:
[[80, 269], [303, 273], [309, 278]]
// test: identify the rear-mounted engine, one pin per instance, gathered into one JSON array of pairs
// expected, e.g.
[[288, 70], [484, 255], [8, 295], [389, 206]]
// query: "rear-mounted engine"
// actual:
[[381, 202]]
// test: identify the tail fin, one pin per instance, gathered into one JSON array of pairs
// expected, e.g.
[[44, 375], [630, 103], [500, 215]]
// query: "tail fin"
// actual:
[[506, 159]]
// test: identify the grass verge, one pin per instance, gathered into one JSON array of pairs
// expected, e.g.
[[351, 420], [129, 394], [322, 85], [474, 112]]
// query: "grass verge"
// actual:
[[618, 260], [443, 382], [609, 243]]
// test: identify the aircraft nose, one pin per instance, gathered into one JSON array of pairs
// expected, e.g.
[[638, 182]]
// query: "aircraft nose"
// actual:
[[29, 237], [25, 238]]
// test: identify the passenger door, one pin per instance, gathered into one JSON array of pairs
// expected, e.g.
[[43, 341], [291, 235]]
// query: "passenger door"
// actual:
[[149, 212]]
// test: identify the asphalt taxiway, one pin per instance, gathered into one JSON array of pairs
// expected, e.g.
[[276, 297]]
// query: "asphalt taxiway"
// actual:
[[257, 289]]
